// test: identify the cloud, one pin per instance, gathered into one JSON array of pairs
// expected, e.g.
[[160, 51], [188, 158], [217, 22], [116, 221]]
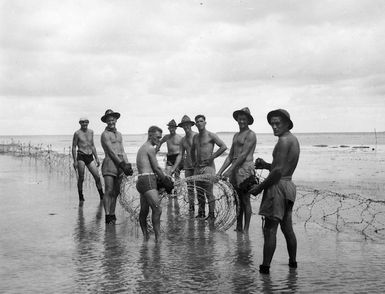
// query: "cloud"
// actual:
[[153, 60]]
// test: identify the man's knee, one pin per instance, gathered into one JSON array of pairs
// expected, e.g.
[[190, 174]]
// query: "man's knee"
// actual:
[[270, 226]]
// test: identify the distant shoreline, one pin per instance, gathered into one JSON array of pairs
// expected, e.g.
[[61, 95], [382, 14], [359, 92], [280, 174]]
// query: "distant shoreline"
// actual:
[[219, 133]]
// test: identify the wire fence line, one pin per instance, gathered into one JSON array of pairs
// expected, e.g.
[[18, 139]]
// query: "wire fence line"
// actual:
[[330, 210]]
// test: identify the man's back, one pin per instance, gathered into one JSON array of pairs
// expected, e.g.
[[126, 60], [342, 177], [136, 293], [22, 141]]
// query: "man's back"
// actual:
[[143, 163], [286, 154]]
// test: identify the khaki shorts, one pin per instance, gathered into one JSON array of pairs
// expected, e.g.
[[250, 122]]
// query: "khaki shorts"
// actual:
[[109, 167], [275, 199]]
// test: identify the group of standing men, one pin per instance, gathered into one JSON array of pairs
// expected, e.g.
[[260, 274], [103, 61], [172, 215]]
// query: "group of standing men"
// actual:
[[195, 154]]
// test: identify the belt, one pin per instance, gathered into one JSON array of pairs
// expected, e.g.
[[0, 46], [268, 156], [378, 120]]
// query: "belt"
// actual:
[[145, 174]]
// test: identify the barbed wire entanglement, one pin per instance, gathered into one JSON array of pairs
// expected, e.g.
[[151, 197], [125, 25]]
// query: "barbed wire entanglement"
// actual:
[[330, 210], [60, 163], [225, 199], [340, 212]]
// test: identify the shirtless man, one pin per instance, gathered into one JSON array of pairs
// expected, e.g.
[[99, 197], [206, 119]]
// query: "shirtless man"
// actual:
[[203, 160], [241, 162], [146, 185], [173, 141], [185, 156], [83, 140], [114, 164], [279, 191]]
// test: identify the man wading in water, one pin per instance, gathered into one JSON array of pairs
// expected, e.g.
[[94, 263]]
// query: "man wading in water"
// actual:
[[114, 164], [150, 179], [279, 191], [83, 141], [241, 161]]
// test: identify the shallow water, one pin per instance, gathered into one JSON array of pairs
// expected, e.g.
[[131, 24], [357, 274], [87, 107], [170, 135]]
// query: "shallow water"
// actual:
[[51, 245]]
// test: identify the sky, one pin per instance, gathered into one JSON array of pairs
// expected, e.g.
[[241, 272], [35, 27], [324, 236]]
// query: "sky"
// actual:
[[153, 61]]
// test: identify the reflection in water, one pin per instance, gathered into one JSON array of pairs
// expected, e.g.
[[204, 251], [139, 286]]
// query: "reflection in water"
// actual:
[[76, 253], [153, 272], [243, 274], [87, 240]]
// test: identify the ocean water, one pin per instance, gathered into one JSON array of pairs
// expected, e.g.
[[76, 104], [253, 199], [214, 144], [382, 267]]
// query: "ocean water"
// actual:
[[50, 244], [341, 162]]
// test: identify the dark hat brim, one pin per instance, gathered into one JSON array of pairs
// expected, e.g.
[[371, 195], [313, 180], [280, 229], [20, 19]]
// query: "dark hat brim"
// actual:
[[186, 123], [281, 113], [250, 119], [114, 114]]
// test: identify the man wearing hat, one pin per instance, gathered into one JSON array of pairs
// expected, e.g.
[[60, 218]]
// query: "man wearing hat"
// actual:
[[279, 191], [185, 157], [239, 165], [114, 164], [173, 141], [83, 141], [203, 155]]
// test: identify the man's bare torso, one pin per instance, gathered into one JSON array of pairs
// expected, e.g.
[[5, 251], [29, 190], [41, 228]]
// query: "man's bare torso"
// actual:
[[204, 146], [115, 139], [239, 144], [85, 141], [173, 142], [186, 143]]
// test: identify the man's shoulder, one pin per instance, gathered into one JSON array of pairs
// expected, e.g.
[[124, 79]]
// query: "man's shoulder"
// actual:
[[287, 139]]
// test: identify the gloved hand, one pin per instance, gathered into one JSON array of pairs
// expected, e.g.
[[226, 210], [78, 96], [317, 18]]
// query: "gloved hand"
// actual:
[[126, 167], [248, 183], [167, 183], [259, 163]]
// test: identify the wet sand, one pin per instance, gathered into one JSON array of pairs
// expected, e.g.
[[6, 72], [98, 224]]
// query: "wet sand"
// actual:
[[51, 245]]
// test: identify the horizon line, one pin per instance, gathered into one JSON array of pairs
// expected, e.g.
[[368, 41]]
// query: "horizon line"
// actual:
[[220, 132]]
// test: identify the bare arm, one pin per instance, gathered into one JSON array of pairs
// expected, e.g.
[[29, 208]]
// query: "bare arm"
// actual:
[[193, 150], [178, 158], [74, 145], [222, 146], [228, 160], [94, 150], [164, 139], [154, 163]]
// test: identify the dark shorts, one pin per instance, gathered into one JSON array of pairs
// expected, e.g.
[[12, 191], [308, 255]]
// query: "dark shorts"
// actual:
[[171, 159], [146, 183], [86, 158]]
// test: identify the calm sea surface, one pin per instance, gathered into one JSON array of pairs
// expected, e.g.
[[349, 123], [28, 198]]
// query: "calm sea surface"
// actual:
[[51, 245], [342, 162]]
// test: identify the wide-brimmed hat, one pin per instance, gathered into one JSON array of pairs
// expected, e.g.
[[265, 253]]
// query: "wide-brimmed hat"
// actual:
[[172, 123], [282, 113], [186, 120], [245, 111], [110, 112]]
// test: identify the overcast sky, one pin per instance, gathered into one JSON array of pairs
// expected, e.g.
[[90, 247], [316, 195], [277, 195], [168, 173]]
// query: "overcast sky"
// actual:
[[152, 61]]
